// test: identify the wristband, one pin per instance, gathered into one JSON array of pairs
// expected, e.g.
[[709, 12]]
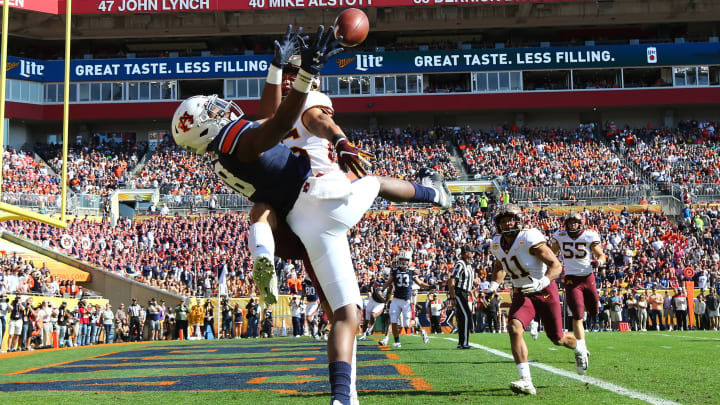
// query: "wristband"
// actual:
[[337, 138], [494, 286], [274, 75], [303, 81]]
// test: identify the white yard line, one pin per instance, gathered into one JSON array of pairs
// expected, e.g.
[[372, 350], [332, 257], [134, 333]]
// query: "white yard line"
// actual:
[[688, 337], [583, 378]]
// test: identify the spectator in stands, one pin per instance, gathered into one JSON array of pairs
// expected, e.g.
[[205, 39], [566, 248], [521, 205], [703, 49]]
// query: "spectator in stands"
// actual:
[[29, 314], [108, 322], [121, 319], [181, 319], [268, 323], [251, 313], [209, 320], [238, 321]]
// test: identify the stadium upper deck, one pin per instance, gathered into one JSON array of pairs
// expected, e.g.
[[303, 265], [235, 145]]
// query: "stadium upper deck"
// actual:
[[591, 54]]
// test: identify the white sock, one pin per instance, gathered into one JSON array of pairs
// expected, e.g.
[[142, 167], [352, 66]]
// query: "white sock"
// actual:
[[580, 348], [524, 370], [260, 240]]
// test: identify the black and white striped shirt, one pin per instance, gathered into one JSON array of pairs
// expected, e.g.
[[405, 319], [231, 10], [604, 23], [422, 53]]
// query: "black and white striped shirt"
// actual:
[[463, 275]]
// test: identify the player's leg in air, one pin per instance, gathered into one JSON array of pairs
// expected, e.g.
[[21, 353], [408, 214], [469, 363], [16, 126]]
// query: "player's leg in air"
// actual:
[[263, 221]]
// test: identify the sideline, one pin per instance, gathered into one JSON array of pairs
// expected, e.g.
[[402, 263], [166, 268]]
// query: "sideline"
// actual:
[[582, 378]]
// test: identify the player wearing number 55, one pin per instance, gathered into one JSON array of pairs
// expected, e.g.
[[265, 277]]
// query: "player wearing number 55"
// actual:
[[533, 267]]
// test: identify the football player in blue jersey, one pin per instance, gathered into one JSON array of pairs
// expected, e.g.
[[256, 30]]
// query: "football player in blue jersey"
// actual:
[[401, 281], [318, 209], [310, 293]]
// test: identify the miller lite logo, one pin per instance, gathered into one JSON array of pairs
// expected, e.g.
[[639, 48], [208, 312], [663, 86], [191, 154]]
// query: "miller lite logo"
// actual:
[[342, 62], [651, 54], [28, 68]]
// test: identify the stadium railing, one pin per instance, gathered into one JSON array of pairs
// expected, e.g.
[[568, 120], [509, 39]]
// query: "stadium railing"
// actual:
[[590, 192]]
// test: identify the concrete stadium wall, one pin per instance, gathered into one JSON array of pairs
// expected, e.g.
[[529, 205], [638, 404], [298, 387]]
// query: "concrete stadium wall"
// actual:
[[115, 288]]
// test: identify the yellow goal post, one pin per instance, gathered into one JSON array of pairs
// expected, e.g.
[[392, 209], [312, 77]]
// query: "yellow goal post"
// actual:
[[10, 211]]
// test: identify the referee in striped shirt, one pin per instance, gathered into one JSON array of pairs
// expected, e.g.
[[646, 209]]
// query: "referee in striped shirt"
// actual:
[[459, 287]]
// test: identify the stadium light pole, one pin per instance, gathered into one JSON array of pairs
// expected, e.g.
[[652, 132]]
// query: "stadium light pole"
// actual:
[[22, 213]]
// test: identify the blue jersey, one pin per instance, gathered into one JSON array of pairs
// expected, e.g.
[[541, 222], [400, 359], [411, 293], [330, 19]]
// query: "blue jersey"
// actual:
[[275, 178], [403, 282], [309, 290]]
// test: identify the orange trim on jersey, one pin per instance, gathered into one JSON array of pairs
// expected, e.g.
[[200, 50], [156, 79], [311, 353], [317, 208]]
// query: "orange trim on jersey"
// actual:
[[231, 136]]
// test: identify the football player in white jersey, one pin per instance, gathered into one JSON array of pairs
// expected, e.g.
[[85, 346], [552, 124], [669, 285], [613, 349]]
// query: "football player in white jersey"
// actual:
[[533, 267], [312, 135], [582, 253]]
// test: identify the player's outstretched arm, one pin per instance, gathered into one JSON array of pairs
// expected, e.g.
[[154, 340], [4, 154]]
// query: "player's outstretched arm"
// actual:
[[271, 96], [257, 140]]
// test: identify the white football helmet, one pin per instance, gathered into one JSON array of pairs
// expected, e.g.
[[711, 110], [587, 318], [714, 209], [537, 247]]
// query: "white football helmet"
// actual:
[[403, 258], [199, 119]]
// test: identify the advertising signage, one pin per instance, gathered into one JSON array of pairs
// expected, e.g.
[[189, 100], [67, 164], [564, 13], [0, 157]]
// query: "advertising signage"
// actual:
[[374, 63], [43, 6], [169, 6]]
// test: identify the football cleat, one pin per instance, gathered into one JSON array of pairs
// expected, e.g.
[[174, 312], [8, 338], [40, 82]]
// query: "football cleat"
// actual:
[[425, 337], [523, 387], [397, 345], [383, 342], [362, 337], [266, 279], [581, 362], [430, 178], [534, 329]]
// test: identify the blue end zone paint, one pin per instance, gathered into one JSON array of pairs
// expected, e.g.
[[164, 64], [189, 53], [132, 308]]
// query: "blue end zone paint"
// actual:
[[308, 375], [136, 364], [220, 382]]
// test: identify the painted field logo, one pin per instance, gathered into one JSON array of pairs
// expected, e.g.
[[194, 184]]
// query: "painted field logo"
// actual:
[[218, 366]]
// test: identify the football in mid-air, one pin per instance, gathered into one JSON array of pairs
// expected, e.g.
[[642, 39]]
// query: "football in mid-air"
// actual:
[[353, 25]]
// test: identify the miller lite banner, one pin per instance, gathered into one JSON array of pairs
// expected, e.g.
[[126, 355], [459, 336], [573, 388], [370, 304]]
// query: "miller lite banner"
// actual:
[[370, 63]]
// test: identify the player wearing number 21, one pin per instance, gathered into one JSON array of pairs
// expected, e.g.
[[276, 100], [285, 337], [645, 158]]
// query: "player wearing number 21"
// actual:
[[533, 268]]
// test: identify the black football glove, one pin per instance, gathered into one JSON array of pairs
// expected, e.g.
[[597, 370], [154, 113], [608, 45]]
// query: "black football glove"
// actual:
[[314, 57], [351, 158], [287, 47]]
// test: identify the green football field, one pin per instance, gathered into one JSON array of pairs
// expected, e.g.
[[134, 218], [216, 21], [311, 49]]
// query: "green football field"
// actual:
[[625, 368]]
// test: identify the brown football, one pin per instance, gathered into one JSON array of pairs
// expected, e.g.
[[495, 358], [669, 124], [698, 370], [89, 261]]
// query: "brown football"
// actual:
[[353, 25]]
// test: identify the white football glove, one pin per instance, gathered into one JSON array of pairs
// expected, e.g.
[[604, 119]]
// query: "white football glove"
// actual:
[[535, 286]]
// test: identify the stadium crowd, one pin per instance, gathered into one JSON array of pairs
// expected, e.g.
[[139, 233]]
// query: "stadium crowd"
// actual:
[[23, 174], [185, 255], [517, 156], [542, 157], [401, 153], [175, 171], [97, 169], [686, 154]]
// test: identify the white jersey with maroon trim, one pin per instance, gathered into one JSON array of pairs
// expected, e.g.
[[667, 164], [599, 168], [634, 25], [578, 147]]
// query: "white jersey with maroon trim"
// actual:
[[576, 253], [301, 141], [518, 261]]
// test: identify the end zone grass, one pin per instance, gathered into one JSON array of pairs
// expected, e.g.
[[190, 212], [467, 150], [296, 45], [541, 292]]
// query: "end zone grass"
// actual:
[[675, 367]]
